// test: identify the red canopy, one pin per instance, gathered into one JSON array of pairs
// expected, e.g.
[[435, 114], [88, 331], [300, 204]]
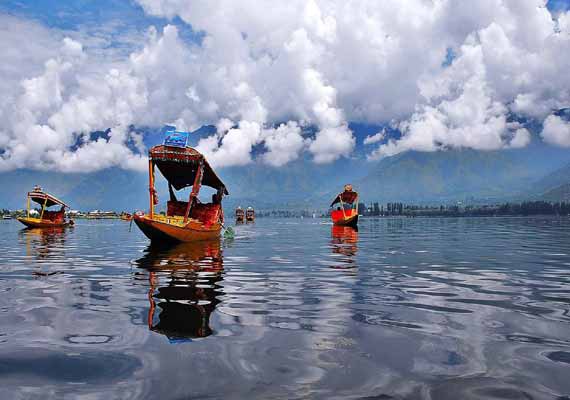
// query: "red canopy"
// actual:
[[180, 165], [346, 196], [42, 198]]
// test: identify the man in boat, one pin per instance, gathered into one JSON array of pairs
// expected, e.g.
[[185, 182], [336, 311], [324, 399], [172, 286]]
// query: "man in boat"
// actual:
[[346, 198], [346, 212]]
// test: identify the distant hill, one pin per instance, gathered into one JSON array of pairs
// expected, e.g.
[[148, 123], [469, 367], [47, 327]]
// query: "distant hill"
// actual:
[[558, 194], [465, 175], [555, 179], [113, 188], [414, 177]]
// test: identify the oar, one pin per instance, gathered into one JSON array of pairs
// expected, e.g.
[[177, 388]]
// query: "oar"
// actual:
[[228, 231], [131, 221]]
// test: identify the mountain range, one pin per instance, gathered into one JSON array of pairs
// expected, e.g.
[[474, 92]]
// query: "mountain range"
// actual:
[[538, 171]]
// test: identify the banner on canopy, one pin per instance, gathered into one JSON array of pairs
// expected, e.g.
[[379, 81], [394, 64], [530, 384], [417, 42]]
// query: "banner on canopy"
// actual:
[[176, 139]]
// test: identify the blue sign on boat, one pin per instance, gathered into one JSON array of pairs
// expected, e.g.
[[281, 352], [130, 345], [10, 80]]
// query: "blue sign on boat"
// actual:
[[176, 139]]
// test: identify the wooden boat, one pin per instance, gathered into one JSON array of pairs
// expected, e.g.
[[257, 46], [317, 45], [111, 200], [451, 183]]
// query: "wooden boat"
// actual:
[[126, 216], [346, 212], [184, 221], [240, 215], [47, 218], [250, 214]]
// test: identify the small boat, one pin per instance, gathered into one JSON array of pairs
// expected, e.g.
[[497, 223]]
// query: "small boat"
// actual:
[[184, 221], [6, 217], [345, 208], [250, 214], [47, 218], [126, 216], [240, 215]]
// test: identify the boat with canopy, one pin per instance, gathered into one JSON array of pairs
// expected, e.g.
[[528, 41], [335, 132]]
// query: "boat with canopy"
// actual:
[[250, 214], [345, 208], [44, 218], [240, 215], [184, 221]]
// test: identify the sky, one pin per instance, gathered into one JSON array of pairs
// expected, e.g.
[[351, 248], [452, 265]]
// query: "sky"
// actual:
[[289, 78]]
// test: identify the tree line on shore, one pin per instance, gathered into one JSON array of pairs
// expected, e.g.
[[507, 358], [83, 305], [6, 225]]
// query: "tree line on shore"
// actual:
[[410, 210], [454, 210], [457, 210]]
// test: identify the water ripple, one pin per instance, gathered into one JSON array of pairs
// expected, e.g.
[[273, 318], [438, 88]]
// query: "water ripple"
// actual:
[[401, 308]]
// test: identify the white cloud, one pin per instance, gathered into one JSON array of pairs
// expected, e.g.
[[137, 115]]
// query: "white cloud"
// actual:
[[498, 70], [377, 137], [556, 131], [57, 110], [264, 69], [284, 144], [232, 147], [332, 62]]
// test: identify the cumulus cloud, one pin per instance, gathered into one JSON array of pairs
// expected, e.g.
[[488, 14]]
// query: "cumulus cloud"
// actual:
[[556, 131], [56, 111], [332, 62], [499, 70], [262, 71], [283, 143], [377, 137]]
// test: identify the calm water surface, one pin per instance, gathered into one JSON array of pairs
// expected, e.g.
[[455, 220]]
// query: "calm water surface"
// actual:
[[289, 309]]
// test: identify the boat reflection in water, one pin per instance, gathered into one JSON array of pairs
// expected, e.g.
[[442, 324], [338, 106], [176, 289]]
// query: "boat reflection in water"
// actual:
[[184, 285], [46, 246], [344, 243]]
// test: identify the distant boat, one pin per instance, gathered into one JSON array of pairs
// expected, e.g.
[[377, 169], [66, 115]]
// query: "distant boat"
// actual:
[[240, 215], [184, 221], [346, 212], [126, 217], [250, 214], [6, 217], [47, 218]]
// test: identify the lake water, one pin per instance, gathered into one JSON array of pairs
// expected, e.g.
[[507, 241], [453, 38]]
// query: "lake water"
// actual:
[[289, 309]]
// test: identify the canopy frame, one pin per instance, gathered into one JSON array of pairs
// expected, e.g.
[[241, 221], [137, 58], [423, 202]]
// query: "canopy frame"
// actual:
[[45, 200], [182, 168], [338, 198]]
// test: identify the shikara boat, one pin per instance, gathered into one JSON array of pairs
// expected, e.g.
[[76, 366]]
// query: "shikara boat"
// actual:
[[250, 214], [240, 215], [345, 208], [46, 218], [184, 221], [126, 216]]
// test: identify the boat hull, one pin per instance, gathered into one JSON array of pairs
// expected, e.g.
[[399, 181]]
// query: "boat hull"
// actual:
[[163, 232], [41, 223], [350, 219]]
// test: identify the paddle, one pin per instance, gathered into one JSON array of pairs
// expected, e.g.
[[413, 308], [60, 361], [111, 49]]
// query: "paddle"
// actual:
[[228, 232], [131, 221]]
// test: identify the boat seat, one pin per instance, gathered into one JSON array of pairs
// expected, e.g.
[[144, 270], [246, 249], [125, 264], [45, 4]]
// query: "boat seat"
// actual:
[[54, 216], [207, 213], [174, 208]]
